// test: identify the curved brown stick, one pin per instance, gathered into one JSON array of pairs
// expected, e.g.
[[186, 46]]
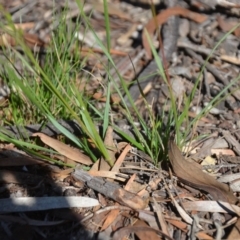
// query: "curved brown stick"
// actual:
[[162, 17]]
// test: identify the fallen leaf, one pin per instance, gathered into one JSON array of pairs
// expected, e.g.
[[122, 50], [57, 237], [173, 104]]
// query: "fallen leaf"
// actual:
[[67, 151], [110, 218], [111, 148], [179, 224], [203, 235], [191, 174], [142, 235], [95, 167], [121, 158], [130, 199], [130, 182], [31, 40], [226, 26]]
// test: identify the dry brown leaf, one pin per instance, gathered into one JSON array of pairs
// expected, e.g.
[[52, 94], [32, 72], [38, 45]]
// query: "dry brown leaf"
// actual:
[[111, 148], [145, 235], [129, 183], [226, 26], [179, 224], [130, 199], [121, 158], [191, 173], [31, 40], [67, 151], [162, 17], [98, 219], [95, 166], [203, 235], [110, 218]]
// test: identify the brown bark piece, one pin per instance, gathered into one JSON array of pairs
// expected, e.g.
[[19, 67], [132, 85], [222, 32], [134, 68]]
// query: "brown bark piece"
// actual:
[[191, 173]]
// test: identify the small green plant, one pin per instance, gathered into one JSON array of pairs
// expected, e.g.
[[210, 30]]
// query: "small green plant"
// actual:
[[54, 96], [157, 134]]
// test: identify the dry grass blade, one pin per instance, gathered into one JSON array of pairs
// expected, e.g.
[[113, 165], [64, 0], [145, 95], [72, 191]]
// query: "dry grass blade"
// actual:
[[190, 173]]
